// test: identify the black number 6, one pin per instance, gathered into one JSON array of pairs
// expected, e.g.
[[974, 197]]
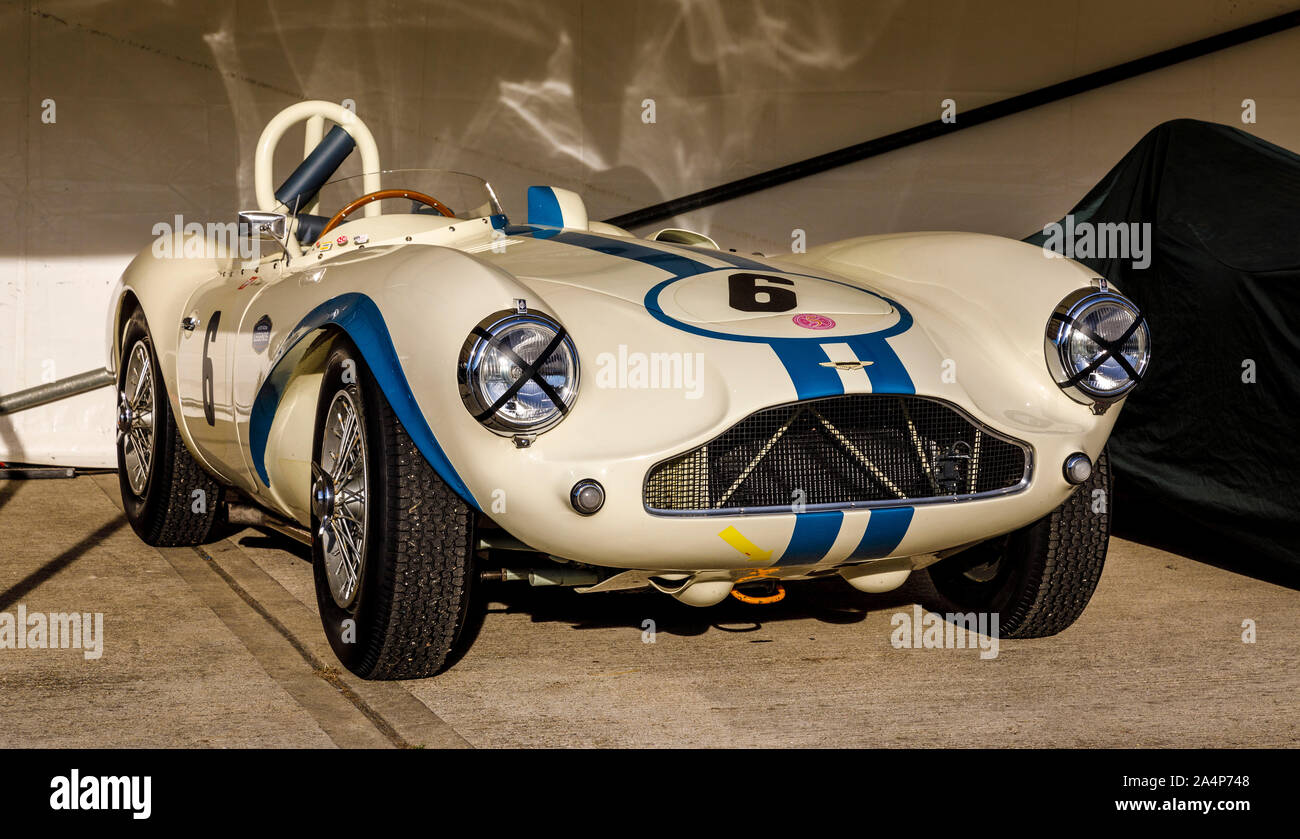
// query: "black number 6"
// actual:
[[209, 400], [744, 290]]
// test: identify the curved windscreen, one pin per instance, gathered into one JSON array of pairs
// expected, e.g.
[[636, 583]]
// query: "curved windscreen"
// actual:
[[466, 196]]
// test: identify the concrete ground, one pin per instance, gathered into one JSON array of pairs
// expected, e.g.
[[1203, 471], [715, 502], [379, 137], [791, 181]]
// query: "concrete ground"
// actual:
[[221, 647]]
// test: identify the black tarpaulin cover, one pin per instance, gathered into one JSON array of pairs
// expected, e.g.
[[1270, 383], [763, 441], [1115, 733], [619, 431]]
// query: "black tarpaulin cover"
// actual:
[[1211, 438]]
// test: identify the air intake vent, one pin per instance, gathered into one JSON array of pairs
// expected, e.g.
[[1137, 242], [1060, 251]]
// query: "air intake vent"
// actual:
[[860, 450]]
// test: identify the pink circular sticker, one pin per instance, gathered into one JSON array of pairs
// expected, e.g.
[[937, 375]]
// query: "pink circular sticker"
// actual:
[[813, 321]]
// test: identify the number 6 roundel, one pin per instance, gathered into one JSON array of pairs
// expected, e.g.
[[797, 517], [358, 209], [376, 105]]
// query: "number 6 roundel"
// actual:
[[746, 295]]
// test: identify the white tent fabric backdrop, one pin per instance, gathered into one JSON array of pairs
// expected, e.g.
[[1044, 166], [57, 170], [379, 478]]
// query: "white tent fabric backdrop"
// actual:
[[156, 108], [53, 312]]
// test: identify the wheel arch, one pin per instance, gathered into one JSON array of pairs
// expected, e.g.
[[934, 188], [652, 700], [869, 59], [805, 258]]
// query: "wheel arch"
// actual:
[[287, 399], [284, 467], [124, 305]]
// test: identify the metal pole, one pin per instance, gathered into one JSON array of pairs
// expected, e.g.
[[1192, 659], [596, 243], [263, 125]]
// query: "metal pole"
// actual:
[[34, 397], [968, 119]]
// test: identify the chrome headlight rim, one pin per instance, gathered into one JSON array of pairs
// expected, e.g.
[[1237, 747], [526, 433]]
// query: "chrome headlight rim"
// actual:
[[484, 337], [1062, 325]]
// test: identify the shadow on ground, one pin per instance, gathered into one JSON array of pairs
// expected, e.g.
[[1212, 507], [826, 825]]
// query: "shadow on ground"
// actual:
[[270, 541], [830, 601], [26, 585]]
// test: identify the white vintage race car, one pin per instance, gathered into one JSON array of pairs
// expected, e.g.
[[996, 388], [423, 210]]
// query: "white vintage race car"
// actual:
[[431, 389]]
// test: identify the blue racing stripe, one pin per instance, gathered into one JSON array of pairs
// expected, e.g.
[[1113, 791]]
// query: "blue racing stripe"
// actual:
[[814, 533], [885, 530], [887, 374], [733, 259], [676, 264], [801, 357]]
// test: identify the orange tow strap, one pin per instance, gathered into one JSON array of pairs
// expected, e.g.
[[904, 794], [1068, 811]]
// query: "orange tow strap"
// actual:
[[760, 600], [775, 597]]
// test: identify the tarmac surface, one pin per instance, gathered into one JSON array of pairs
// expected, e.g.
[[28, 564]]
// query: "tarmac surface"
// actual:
[[220, 646]]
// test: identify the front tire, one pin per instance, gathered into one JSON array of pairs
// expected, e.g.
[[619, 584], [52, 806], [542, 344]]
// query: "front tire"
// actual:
[[392, 546], [1040, 578], [167, 496]]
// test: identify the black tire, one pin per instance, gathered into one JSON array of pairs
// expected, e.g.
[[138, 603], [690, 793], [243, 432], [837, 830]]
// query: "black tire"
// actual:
[[411, 602], [1038, 579], [179, 503]]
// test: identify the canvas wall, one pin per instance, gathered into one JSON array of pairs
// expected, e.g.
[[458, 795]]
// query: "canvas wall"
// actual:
[[115, 115]]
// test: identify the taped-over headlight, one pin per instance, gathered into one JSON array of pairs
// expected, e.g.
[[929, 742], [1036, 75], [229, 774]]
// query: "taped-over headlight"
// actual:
[[518, 373], [1098, 346]]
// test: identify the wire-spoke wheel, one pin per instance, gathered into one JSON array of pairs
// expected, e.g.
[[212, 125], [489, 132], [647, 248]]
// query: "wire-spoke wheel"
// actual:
[[392, 546], [339, 497], [135, 413], [168, 497]]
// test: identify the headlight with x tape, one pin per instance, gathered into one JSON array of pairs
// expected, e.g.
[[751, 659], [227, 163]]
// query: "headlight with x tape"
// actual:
[[1098, 346], [518, 373]]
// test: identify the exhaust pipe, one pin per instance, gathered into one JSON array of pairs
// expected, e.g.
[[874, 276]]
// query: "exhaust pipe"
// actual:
[[692, 590], [246, 515], [544, 576]]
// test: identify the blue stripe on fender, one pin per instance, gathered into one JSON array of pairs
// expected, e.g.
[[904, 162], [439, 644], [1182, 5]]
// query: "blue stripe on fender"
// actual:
[[885, 530], [544, 207], [814, 533], [359, 317]]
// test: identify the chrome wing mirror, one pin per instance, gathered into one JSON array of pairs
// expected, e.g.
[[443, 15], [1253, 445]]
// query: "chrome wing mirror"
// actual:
[[260, 224]]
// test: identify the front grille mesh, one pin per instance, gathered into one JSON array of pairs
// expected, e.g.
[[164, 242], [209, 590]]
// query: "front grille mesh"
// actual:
[[841, 450]]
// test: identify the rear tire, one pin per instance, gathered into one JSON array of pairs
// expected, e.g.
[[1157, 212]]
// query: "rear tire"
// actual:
[[1040, 578], [394, 607], [167, 496]]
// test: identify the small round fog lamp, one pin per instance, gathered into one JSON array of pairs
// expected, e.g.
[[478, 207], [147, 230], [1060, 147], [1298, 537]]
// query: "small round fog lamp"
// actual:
[[587, 496], [1078, 468]]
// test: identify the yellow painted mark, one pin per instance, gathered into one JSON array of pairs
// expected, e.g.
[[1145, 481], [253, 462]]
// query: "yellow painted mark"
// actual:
[[737, 540]]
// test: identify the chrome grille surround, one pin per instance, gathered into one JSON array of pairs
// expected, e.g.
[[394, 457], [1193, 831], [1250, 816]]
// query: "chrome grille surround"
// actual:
[[856, 451]]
